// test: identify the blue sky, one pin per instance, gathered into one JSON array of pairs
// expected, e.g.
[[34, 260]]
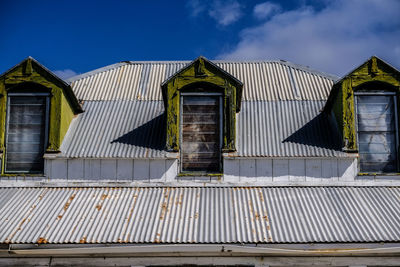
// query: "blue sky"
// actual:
[[73, 37]]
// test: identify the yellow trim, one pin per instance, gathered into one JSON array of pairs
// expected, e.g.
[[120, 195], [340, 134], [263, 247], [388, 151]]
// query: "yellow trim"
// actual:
[[61, 109]]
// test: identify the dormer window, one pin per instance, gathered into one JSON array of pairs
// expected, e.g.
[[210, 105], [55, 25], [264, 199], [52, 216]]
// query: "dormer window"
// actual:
[[201, 132], [37, 108], [26, 132], [364, 107], [377, 131], [201, 101]]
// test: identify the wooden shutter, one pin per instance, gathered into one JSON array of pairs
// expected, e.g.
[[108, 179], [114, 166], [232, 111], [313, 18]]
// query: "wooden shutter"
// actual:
[[200, 147], [26, 127], [377, 133]]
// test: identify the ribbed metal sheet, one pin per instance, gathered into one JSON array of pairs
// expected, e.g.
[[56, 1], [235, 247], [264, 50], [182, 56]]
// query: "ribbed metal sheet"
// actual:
[[136, 129], [263, 80], [200, 215], [124, 129], [286, 129]]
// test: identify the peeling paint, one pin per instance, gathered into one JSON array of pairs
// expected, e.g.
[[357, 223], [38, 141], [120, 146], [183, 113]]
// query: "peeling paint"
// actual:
[[202, 72], [30, 75], [341, 99]]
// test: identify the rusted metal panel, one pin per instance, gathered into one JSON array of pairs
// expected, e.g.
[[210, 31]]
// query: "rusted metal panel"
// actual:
[[200, 215]]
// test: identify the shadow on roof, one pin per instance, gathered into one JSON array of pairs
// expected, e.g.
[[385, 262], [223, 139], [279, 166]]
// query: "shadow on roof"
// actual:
[[318, 132], [148, 135]]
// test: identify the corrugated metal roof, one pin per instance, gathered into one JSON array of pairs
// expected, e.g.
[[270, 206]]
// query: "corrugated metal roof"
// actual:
[[136, 129], [124, 129], [280, 114], [263, 80], [286, 129], [200, 215]]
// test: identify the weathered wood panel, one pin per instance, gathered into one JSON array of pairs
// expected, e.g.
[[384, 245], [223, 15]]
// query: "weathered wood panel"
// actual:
[[200, 148], [376, 133], [26, 134]]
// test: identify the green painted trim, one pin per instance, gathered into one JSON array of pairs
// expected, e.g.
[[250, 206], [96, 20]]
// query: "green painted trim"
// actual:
[[201, 71], [29, 75], [341, 99], [378, 174], [22, 174], [188, 174]]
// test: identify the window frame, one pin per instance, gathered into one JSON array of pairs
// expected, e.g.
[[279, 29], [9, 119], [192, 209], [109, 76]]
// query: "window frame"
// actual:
[[221, 121], [361, 92], [46, 130]]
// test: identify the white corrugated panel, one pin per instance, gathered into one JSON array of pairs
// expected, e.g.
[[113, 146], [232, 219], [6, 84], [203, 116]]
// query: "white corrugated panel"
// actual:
[[117, 129], [200, 215], [136, 129], [286, 129], [263, 80]]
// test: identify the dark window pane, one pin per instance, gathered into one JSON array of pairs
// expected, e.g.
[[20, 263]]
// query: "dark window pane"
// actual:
[[200, 147], [377, 133], [25, 134]]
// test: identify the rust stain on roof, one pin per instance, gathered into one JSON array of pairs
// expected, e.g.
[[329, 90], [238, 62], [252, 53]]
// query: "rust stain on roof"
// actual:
[[8, 239], [179, 202], [42, 240], [128, 219], [68, 203], [260, 194], [251, 208]]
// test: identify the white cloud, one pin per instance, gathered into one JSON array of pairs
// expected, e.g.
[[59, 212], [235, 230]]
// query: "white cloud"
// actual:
[[65, 74], [334, 39], [225, 13], [265, 10], [196, 7]]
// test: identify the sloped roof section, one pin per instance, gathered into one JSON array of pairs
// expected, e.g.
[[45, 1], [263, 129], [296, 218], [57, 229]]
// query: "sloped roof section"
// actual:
[[286, 129], [280, 115], [200, 215], [263, 80], [120, 129], [136, 129]]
